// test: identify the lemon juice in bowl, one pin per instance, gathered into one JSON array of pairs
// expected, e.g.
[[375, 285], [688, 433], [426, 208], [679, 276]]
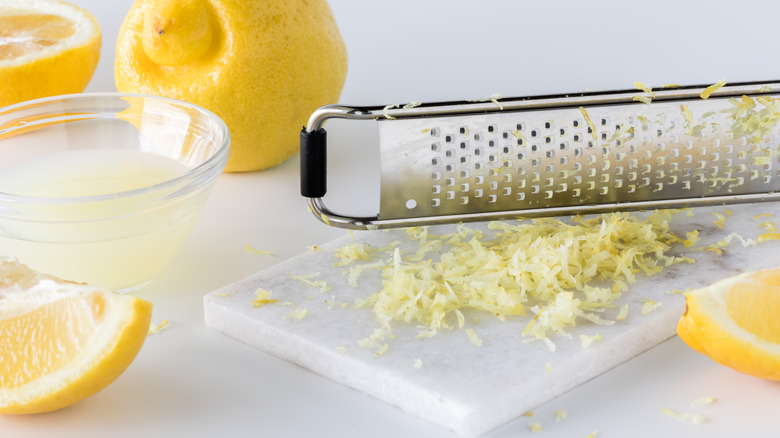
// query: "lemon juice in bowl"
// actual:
[[114, 197]]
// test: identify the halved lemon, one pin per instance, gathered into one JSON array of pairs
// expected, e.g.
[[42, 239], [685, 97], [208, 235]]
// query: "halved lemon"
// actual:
[[736, 322], [61, 342], [47, 48]]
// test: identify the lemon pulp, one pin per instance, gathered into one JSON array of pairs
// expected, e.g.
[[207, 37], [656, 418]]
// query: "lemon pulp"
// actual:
[[756, 311]]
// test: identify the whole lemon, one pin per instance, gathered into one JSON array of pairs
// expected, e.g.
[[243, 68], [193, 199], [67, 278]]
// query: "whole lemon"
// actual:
[[263, 66]]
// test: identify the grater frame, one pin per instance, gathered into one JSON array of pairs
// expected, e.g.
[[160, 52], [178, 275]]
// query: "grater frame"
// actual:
[[555, 155]]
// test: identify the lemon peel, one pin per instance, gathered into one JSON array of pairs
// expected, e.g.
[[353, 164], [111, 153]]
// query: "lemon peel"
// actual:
[[734, 322], [62, 342], [47, 48]]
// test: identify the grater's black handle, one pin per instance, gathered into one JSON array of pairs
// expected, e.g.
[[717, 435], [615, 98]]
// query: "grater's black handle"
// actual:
[[313, 163]]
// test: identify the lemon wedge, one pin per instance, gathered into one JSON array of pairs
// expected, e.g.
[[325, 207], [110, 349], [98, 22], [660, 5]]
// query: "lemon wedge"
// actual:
[[47, 48], [735, 322], [61, 342]]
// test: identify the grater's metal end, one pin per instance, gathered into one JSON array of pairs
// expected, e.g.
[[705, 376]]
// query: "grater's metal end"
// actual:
[[559, 155]]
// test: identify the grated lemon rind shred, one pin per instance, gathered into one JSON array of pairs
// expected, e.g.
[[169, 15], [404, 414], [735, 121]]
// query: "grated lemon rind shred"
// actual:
[[684, 416], [547, 266], [157, 328]]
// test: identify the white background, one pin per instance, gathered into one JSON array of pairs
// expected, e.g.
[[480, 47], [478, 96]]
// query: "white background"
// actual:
[[191, 381]]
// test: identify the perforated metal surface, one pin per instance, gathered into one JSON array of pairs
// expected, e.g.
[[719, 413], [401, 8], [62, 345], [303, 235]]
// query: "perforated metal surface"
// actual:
[[601, 154]]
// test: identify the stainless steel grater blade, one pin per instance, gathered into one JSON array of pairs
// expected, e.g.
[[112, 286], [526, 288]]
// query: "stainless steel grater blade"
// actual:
[[566, 154]]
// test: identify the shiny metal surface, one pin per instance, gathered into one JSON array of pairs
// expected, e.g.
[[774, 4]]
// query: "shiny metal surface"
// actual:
[[565, 155]]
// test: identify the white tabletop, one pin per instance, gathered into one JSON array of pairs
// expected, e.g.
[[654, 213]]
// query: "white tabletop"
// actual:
[[191, 381]]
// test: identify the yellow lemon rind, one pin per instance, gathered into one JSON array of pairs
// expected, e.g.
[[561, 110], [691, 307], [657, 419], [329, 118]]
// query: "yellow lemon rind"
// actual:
[[114, 347], [63, 68], [707, 328]]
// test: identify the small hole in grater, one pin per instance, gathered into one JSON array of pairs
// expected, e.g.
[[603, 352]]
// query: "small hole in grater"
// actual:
[[411, 204]]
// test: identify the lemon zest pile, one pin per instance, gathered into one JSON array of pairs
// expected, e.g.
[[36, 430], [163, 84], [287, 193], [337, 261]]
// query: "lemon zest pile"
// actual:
[[548, 266]]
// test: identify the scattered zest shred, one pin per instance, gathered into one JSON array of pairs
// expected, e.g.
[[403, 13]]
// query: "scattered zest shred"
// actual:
[[587, 341], [684, 416], [589, 122], [474, 338], [262, 297], [417, 363], [493, 98], [297, 314], [157, 328], [720, 220], [560, 415], [642, 98], [768, 236], [622, 313], [646, 88], [593, 434], [382, 350], [255, 251], [308, 279], [649, 306], [688, 118], [712, 88], [703, 401], [385, 112], [535, 426]]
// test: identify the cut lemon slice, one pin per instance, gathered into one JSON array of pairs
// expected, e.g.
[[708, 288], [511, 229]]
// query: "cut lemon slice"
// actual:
[[736, 322], [61, 342], [47, 48]]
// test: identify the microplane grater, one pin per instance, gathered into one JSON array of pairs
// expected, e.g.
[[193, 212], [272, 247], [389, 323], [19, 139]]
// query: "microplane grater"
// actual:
[[565, 154]]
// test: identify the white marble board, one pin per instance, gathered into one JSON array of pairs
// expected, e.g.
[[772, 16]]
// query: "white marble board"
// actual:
[[446, 379]]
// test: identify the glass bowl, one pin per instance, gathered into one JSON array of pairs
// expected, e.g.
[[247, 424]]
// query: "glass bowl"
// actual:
[[103, 188]]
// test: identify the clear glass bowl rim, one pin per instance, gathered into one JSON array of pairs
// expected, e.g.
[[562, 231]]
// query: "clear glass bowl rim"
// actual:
[[215, 163]]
